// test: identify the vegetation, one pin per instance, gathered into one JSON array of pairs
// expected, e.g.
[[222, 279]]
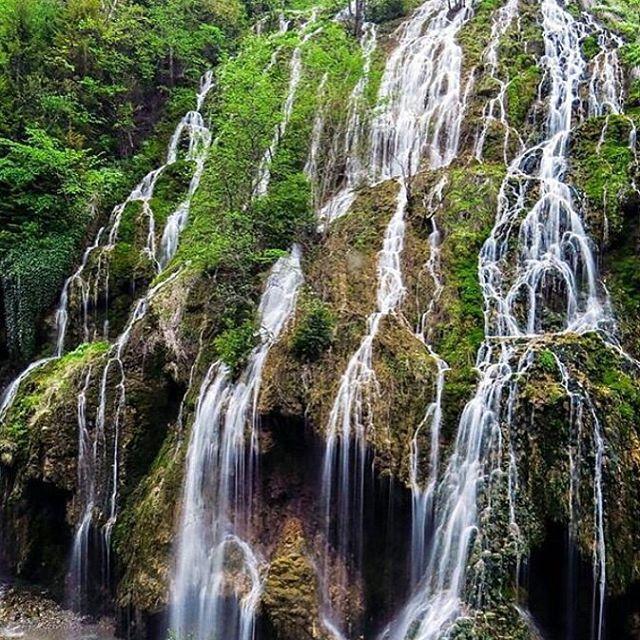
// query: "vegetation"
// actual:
[[314, 331], [81, 88]]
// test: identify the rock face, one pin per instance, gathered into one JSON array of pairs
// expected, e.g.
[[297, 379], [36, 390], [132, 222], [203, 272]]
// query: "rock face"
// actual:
[[100, 435]]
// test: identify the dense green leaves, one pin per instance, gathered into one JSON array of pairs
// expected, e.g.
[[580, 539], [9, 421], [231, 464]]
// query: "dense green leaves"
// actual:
[[314, 332], [81, 88]]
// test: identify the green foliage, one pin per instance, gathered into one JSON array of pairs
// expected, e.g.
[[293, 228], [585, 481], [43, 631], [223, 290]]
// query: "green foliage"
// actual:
[[522, 91], [80, 88], [314, 331], [91, 79], [45, 196], [603, 165], [231, 228], [547, 361], [285, 210], [384, 10], [590, 47], [235, 343], [52, 383]]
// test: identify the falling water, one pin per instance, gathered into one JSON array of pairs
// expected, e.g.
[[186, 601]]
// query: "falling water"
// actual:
[[218, 581], [495, 110], [422, 493], [199, 137], [580, 400], [295, 75], [311, 165], [354, 170], [198, 141], [550, 284], [78, 580], [99, 467], [62, 312], [10, 393], [421, 106]]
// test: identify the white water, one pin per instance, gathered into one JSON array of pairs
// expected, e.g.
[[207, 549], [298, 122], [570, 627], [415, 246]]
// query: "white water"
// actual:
[[218, 503], [10, 393], [495, 111], [521, 281], [295, 75], [62, 312], [423, 492], [199, 142], [99, 456], [581, 402], [90, 285], [312, 163], [78, 579], [98, 470], [421, 95], [421, 106], [355, 172]]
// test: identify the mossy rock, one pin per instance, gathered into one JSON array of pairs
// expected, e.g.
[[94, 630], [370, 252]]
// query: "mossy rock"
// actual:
[[291, 597]]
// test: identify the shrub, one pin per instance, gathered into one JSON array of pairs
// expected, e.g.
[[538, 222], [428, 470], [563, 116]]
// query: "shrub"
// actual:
[[314, 332], [235, 343]]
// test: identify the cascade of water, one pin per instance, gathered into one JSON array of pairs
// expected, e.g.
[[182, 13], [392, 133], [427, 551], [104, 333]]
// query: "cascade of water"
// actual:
[[98, 471], [606, 93], [198, 139], [10, 393], [218, 492], [90, 464], [422, 494], [552, 249], [580, 400], [354, 171], [495, 109], [78, 579], [421, 110], [422, 87], [62, 312], [295, 75], [311, 165]]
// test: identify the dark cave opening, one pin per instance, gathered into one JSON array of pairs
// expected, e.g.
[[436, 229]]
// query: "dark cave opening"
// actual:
[[290, 475], [561, 590]]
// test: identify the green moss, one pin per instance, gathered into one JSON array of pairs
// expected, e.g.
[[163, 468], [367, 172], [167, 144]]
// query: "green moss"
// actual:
[[170, 190], [474, 35], [522, 91], [547, 361], [602, 166], [290, 598], [47, 387], [144, 531]]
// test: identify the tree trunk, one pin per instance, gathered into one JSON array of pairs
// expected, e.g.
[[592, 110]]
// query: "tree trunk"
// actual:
[[359, 18]]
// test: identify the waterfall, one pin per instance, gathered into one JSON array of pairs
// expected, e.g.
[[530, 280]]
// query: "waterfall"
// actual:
[[95, 465], [354, 170], [10, 393], [422, 493], [199, 137], [311, 165], [517, 283], [78, 579], [421, 106], [62, 312], [99, 468], [495, 109], [295, 75], [218, 502]]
